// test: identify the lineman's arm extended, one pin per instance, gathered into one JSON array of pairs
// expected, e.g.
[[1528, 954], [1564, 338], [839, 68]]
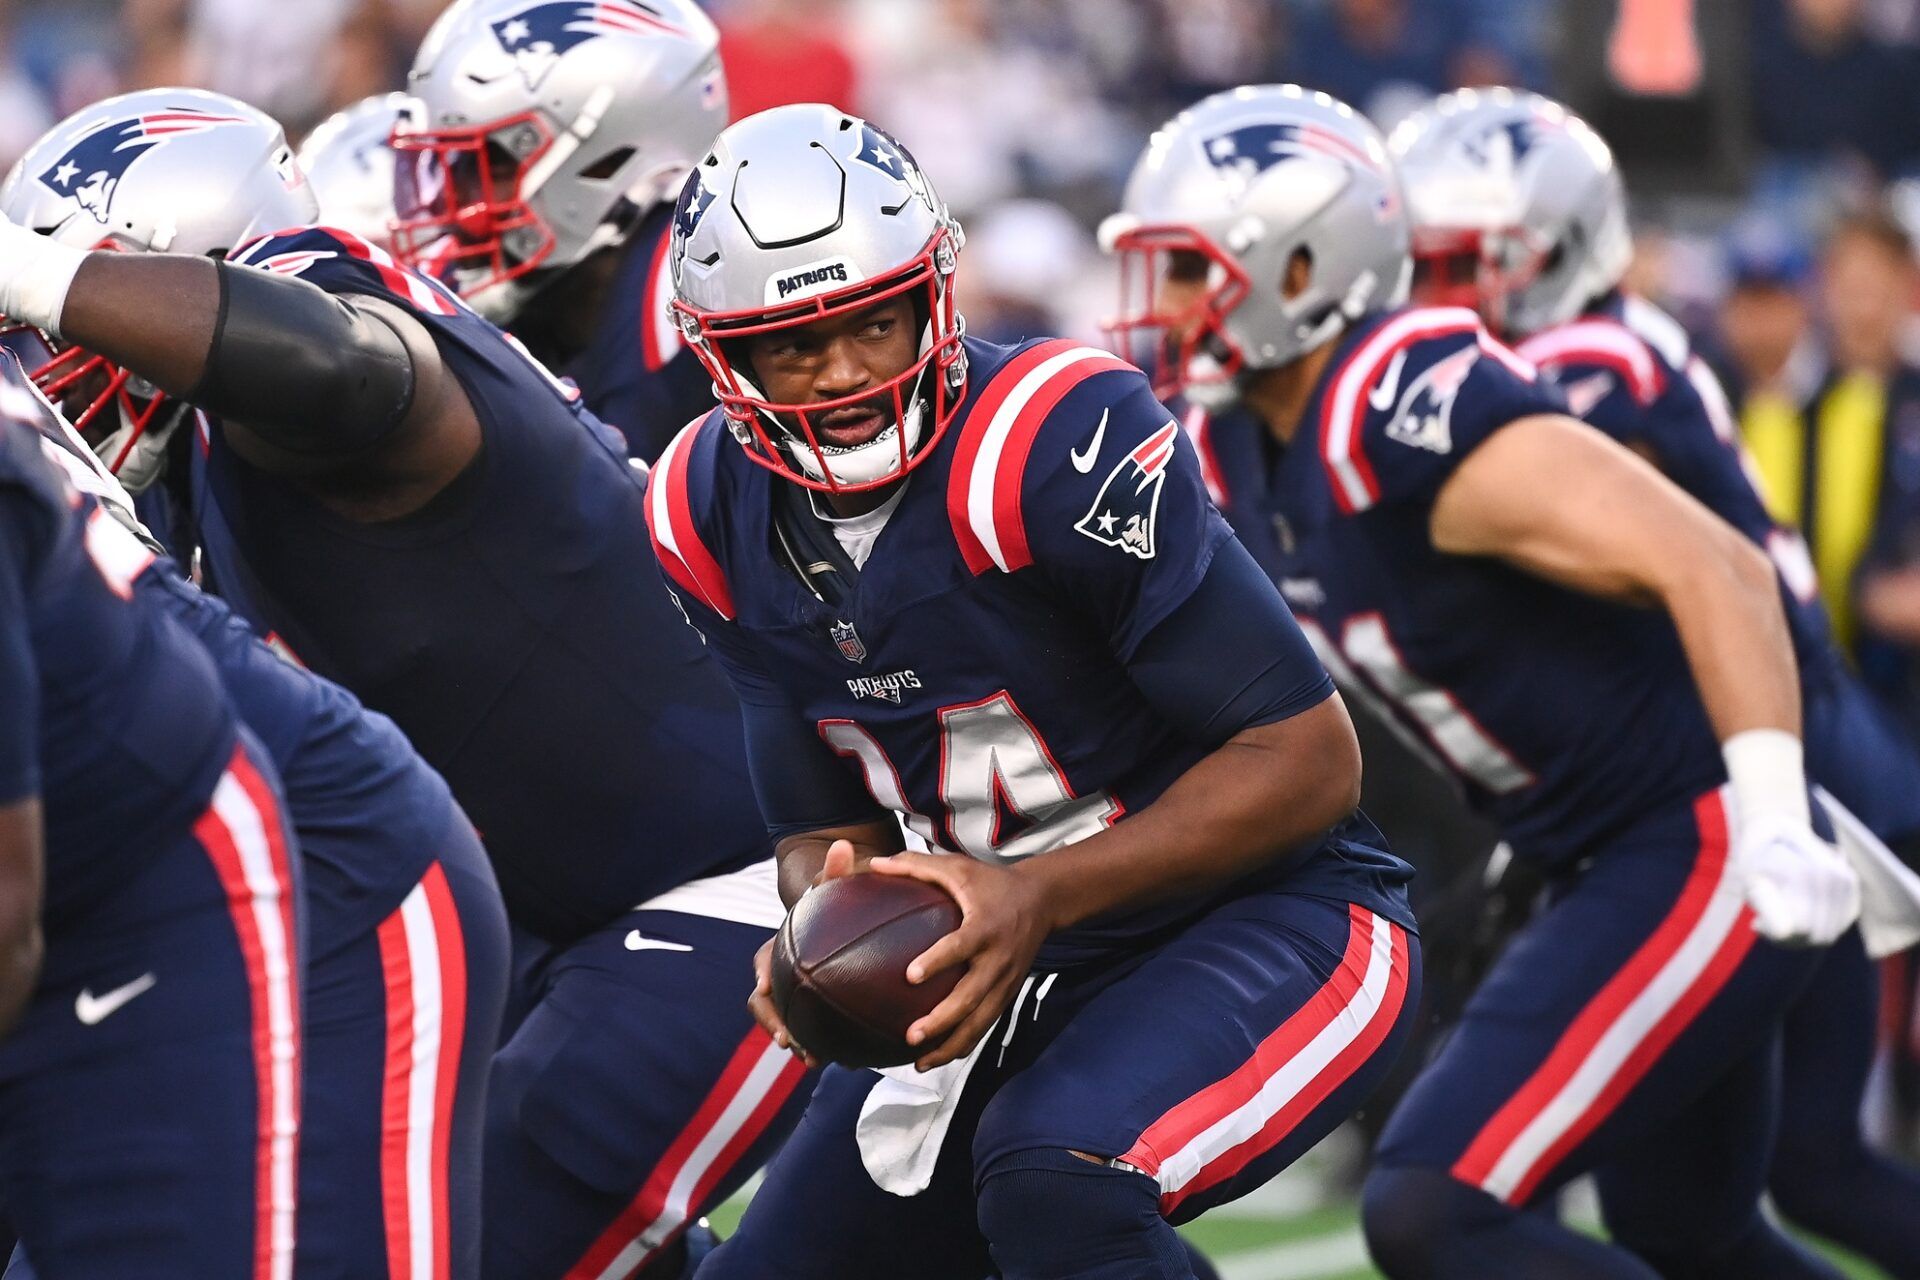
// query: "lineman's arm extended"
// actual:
[[348, 393]]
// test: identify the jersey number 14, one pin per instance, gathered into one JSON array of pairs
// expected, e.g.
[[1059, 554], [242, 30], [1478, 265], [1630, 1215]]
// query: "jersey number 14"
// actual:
[[1005, 796]]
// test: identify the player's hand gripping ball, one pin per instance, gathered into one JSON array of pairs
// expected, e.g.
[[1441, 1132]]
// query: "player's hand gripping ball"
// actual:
[[840, 967]]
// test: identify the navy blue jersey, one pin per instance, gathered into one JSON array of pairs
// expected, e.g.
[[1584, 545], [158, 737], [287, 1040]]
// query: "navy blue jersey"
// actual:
[[1564, 717], [637, 375], [115, 716], [516, 628], [975, 676], [1630, 370]]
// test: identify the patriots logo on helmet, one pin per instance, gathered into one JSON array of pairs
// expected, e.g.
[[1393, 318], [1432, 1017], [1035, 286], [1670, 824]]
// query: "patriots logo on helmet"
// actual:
[[89, 172], [1424, 419], [1249, 151], [1509, 141], [880, 150], [694, 199], [537, 36], [1123, 513]]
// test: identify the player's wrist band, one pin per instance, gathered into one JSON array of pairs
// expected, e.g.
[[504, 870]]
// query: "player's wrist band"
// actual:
[[35, 274], [1768, 773]]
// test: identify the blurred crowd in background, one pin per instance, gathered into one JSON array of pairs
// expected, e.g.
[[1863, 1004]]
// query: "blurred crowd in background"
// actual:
[[1771, 147]]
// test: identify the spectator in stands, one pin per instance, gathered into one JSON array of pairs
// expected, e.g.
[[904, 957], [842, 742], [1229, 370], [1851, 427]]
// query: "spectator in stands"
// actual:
[[1387, 57], [1832, 458], [1823, 85]]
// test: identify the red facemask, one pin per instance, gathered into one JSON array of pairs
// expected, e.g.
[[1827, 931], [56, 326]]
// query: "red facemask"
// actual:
[[461, 212], [1167, 341]]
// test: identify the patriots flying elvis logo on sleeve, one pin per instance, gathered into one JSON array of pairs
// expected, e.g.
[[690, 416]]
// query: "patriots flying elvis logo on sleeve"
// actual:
[[538, 35], [1123, 513], [89, 172]]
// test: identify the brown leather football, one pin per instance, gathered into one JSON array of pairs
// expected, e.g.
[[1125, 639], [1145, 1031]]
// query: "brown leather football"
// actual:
[[840, 966]]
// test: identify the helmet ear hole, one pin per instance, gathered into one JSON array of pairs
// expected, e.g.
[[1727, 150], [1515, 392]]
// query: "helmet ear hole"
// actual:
[[607, 165], [1299, 273]]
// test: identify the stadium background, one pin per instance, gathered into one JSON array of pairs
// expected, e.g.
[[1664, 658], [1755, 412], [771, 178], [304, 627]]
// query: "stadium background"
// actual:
[[1772, 152]]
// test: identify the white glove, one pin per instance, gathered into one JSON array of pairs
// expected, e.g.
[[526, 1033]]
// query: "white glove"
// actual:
[[35, 274], [1802, 891]]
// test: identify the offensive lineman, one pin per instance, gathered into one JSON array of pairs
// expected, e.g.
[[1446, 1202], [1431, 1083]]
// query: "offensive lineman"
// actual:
[[150, 1075], [979, 590], [1466, 550], [538, 181], [418, 510], [405, 936], [1518, 211]]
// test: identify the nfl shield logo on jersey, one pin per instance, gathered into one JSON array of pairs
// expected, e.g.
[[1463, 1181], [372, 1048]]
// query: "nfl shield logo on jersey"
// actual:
[[1123, 514], [847, 640]]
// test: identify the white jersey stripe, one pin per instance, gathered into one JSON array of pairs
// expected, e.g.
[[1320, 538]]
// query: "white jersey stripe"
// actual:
[[1599, 337], [739, 1110], [246, 826], [1344, 423], [423, 1078], [986, 463], [1294, 1075], [1665, 990]]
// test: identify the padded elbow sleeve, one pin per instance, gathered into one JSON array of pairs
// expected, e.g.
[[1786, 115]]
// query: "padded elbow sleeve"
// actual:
[[306, 371]]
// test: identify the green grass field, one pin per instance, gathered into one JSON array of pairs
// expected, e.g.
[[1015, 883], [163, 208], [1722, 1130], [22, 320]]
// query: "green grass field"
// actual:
[[1292, 1230]]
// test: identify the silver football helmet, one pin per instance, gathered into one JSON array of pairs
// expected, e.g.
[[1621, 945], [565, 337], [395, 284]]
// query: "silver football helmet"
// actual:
[[166, 170], [547, 128], [1237, 186], [347, 160], [801, 213], [1517, 207]]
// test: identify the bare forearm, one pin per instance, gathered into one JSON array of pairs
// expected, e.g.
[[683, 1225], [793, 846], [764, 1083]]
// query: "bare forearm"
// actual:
[[801, 857], [153, 313], [1734, 630], [1263, 793]]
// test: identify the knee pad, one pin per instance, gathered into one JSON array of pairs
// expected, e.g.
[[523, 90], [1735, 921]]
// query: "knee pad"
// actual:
[[1049, 1213]]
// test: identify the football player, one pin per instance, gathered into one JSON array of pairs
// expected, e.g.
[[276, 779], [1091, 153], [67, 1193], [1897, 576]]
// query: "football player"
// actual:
[[1484, 563], [391, 487], [978, 590], [1517, 210], [347, 160], [150, 945], [405, 936], [539, 180]]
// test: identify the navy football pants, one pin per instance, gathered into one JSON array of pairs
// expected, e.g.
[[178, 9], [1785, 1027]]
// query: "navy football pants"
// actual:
[[1206, 1065], [149, 1097], [401, 1026], [635, 1093], [1638, 1016]]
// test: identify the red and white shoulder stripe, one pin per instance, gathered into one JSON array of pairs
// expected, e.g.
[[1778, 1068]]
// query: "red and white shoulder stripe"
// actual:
[[659, 336], [416, 288], [676, 539], [983, 488], [1602, 342], [1343, 407]]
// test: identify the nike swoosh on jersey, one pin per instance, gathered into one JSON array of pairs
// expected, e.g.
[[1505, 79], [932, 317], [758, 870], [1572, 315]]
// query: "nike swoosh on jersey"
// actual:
[[91, 1009], [637, 941], [1381, 397], [1083, 462]]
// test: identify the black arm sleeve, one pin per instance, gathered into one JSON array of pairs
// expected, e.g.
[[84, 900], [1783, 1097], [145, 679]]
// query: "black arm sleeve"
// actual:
[[306, 371], [1230, 657]]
